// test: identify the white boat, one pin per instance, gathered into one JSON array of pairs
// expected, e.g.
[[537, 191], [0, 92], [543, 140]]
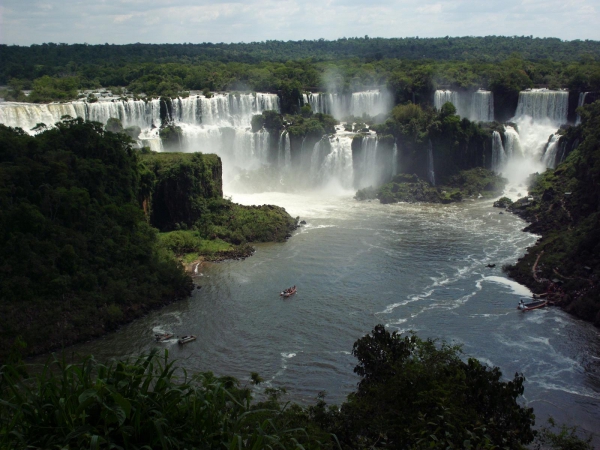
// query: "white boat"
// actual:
[[186, 339]]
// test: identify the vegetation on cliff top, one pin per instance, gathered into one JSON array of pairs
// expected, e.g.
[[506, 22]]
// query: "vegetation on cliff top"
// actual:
[[185, 200], [466, 184], [564, 208]]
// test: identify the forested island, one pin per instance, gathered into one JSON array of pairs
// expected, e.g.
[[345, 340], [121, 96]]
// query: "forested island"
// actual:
[[112, 163]]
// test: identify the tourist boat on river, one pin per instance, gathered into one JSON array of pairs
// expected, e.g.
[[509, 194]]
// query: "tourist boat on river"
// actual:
[[531, 305], [160, 337], [288, 292], [186, 339]]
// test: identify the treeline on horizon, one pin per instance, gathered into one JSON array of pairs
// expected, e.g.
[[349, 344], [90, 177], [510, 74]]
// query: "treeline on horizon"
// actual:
[[488, 48], [411, 68]]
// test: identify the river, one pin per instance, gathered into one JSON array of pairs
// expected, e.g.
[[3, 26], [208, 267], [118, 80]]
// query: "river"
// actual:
[[356, 264]]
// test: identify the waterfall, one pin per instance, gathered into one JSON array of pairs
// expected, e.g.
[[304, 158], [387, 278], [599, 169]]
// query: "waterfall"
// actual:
[[498, 154], [549, 158], [370, 173], [320, 151], [395, 160], [222, 110], [477, 106], [430, 167], [512, 146], [543, 104], [284, 157], [441, 97], [143, 114], [221, 124], [372, 103], [580, 103], [337, 166], [482, 106], [533, 148]]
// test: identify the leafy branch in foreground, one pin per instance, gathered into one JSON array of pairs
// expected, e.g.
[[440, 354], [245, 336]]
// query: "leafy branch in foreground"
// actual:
[[145, 403]]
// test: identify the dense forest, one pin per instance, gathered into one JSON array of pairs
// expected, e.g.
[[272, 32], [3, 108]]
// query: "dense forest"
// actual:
[[79, 251]]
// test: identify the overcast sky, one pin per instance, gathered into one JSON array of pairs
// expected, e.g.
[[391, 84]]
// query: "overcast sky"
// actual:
[[26, 22]]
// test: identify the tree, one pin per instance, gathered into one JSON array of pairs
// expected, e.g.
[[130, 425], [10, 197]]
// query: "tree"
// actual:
[[414, 393]]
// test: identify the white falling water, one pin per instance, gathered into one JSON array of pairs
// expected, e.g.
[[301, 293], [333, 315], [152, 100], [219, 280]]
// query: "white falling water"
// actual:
[[498, 153], [441, 97], [337, 171], [512, 146], [141, 113], [482, 106], [221, 110], [540, 112], [371, 103], [430, 166], [331, 163], [476, 106], [543, 105], [395, 160], [222, 125], [370, 172], [580, 103], [549, 158], [284, 156]]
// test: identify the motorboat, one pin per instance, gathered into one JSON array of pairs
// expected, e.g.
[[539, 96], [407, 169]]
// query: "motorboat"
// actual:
[[531, 305], [186, 339], [160, 337], [288, 292]]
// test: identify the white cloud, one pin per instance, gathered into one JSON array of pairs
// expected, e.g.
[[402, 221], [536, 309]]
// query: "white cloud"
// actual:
[[159, 21], [436, 8]]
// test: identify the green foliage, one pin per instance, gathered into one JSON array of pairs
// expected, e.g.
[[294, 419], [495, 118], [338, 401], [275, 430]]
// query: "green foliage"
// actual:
[[74, 243], [368, 193], [171, 136], [185, 193], [411, 68], [114, 125], [417, 394], [314, 127], [565, 439], [190, 245], [468, 183], [503, 202], [257, 122], [47, 89], [148, 402], [306, 111]]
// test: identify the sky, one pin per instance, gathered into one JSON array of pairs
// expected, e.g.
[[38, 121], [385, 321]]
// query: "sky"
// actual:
[[26, 22]]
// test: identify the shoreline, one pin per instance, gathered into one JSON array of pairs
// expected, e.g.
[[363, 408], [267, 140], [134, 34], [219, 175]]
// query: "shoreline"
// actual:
[[528, 271]]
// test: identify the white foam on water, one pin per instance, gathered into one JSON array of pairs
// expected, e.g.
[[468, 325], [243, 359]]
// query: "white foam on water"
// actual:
[[515, 288]]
